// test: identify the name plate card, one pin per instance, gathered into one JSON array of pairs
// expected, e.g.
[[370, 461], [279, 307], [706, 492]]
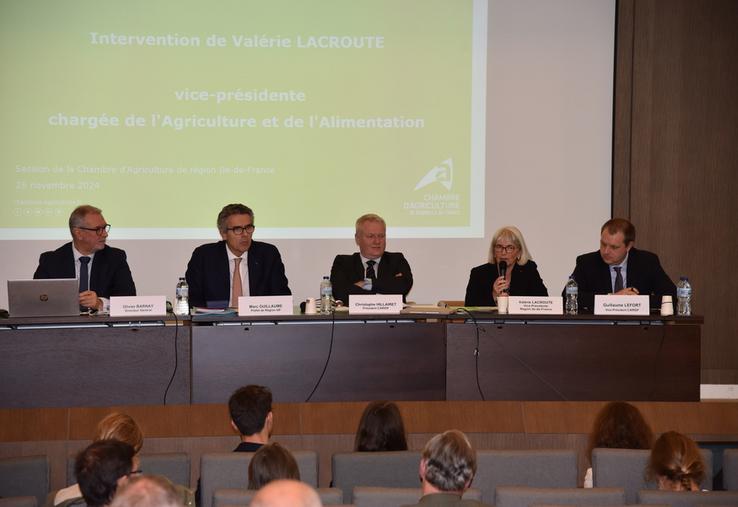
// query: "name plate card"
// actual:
[[533, 305], [372, 304], [138, 306], [621, 305], [265, 305]]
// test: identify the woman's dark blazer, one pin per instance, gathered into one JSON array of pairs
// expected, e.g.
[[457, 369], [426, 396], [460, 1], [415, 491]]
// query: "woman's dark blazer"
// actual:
[[525, 281]]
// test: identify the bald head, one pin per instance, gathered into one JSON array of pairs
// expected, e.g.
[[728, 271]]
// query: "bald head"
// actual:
[[286, 493], [147, 491]]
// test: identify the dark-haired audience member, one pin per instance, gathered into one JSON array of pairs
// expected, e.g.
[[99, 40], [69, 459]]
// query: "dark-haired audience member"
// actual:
[[270, 463], [380, 428], [100, 468], [147, 491], [117, 426], [121, 427], [618, 425], [250, 408], [447, 468], [286, 493], [676, 463]]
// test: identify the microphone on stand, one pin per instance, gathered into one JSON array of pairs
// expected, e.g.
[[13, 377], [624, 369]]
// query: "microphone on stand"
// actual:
[[503, 272]]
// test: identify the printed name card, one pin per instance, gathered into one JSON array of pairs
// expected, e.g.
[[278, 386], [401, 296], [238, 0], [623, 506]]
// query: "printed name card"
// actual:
[[621, 305], [532, 305], [265, 305], [138, 306], [365, 304]]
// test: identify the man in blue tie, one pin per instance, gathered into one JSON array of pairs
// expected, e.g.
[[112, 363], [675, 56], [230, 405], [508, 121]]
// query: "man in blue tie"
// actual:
[[620, 268], [102, 270]]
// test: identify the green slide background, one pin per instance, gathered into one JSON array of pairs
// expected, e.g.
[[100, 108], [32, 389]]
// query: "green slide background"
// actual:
[[292, 177]]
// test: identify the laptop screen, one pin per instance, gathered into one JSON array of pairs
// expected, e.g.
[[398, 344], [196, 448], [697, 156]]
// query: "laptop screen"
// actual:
[[54, 297]]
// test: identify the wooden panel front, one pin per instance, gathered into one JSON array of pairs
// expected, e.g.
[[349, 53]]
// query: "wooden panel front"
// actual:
[[574, 362], [365, 361]]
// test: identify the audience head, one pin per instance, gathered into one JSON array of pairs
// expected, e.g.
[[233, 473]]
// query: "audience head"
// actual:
[[147, 491], [676, 463], [119, 426], [236, 225], [616, 239], [89, 229], [371, 235], [286, 493], [619, 425], [448, 463], [100, 468], [251, 411], [381, 428], [270, 463], [508, 245]]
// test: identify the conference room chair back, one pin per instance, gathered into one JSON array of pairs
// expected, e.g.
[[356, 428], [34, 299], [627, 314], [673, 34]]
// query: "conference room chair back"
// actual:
[[555, 468], [730, 469], [19, 501], [398, 469], [230, 470], [242, 497], [25, 476], [522, 496], [371, 496], [688, 498], [626, 468], [175, 466], [623, 468]]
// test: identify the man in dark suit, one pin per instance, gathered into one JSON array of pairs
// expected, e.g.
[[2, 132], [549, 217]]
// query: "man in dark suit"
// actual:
[[620, 268], [102, 270], [218, 273], [371, 270]]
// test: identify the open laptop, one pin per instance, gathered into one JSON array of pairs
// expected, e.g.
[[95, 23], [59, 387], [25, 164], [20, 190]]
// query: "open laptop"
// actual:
[[53, 297]]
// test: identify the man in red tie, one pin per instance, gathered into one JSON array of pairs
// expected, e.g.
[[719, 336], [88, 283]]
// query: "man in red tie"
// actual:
[[219, 273]]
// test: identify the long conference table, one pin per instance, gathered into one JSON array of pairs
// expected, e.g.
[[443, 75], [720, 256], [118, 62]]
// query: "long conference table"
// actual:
[[104, 361]]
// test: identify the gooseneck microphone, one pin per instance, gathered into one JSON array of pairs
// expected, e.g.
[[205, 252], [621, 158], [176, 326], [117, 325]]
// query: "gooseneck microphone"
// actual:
[[503, 272]]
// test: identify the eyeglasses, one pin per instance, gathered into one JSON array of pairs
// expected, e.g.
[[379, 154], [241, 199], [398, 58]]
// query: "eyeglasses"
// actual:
[[506, 249], [136, 472], [99, 230], [239, 229]]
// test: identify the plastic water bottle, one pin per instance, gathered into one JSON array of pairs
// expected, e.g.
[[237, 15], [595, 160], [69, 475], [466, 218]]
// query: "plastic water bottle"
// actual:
[[368, 284], [684, 297], [572, 297], [182, 303], [326, 295]]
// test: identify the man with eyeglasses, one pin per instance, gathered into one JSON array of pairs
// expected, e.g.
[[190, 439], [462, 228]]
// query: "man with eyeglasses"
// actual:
[[620, 268], [219, 273], [371, 270], [102, 270]]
